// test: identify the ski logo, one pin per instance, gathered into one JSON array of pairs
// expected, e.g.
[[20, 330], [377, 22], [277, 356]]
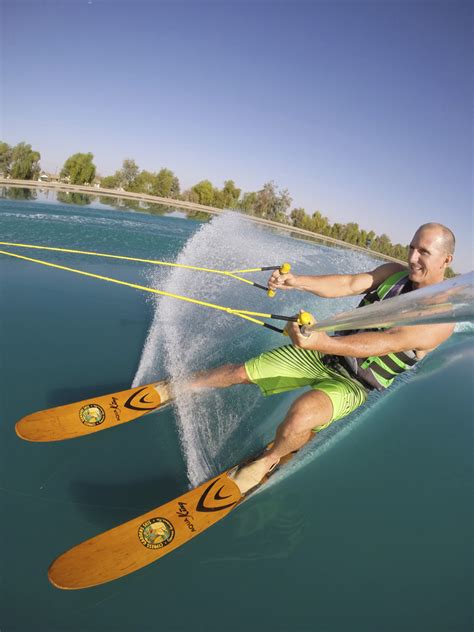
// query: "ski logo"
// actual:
[[114, 406], [183, 512], [212, 497], [138, 400], [156, 533], [92, 415]]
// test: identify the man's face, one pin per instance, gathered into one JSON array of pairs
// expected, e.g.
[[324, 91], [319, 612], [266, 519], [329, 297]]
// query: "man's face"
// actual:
[[427, 257]]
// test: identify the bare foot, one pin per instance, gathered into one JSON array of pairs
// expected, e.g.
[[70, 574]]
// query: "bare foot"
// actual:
[[249, 476]]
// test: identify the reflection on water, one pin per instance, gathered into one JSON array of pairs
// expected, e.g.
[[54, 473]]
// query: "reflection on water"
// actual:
[[73, 197], [107, 201], [255, 530], [14, 193]]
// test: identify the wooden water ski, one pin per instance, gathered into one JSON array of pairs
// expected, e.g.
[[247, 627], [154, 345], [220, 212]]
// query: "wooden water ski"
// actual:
[[93, 414], [143, 540]]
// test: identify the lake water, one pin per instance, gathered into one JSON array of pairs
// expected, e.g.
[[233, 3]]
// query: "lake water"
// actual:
[[369, 530]]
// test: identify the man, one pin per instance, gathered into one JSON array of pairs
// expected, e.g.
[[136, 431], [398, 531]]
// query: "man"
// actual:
[[340, 369]]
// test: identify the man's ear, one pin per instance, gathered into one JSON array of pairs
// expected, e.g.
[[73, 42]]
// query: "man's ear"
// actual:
[[448, 260]]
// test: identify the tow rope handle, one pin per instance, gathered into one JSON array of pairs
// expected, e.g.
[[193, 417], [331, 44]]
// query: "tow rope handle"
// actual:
[[284, 269], [304, 319]]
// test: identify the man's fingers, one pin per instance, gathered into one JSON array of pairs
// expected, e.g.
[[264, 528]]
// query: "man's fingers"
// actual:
[[278, 281]]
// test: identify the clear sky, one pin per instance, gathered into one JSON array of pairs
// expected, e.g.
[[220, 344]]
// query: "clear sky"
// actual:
[[362, 110]]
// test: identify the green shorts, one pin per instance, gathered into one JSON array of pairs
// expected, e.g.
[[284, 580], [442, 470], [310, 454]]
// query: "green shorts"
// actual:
[[289, 367]]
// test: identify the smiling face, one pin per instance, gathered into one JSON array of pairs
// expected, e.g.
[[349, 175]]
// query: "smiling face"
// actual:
[[428, 257]]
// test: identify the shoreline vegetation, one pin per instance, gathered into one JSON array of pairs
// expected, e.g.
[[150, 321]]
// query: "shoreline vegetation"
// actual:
[[79, 194], [20, 168]]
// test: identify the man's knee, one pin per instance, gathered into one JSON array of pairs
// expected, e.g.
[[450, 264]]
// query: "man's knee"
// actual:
[[309, 411], [240, 373], [233, 373]]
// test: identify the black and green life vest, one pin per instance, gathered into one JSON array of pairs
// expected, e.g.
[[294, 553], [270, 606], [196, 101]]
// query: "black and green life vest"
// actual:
[[380, 371]]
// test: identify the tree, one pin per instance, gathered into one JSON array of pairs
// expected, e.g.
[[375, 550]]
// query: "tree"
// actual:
[[362, 238], [230, 194], [190, 196], [351, 233], [320, 223], [205, 192], [128, 173], [336, 230], [166, 184], [79, 168], [369, 239], [382, 244], [24, 162], [109, 182], [144, 183], [299, 217], [271, 204], [218, 199], [248, 203], [5, 158], [400, 252], [124, 177]]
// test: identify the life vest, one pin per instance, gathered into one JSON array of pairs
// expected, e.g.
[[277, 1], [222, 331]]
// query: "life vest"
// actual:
[[380, 371]]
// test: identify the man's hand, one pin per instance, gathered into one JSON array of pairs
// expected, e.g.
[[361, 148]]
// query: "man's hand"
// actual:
[[280, 281], [310, 340]]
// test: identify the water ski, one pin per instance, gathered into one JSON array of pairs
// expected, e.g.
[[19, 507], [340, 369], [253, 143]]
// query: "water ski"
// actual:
[[93, 414], [145, 539]]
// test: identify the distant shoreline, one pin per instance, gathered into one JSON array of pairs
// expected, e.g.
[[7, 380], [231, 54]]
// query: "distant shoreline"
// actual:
[[189, 206]]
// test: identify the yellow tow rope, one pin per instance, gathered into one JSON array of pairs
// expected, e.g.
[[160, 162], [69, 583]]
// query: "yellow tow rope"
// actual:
[[303, 319], [231, 273]]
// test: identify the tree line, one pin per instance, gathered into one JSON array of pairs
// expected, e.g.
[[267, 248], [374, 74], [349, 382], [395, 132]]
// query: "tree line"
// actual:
[[270, 203]]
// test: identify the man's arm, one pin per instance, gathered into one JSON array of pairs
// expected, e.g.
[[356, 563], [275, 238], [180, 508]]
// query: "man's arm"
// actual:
[[334, 285], [421, 338]]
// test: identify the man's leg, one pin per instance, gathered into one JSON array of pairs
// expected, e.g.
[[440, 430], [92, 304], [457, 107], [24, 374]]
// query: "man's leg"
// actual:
[[309, 411], [220, 377]]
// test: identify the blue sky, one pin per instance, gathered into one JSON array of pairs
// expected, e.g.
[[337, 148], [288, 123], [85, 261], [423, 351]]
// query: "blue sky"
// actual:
[[362, 110]]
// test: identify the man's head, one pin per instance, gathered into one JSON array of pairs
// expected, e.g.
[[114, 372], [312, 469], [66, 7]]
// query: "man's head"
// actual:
[[431, 252]]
